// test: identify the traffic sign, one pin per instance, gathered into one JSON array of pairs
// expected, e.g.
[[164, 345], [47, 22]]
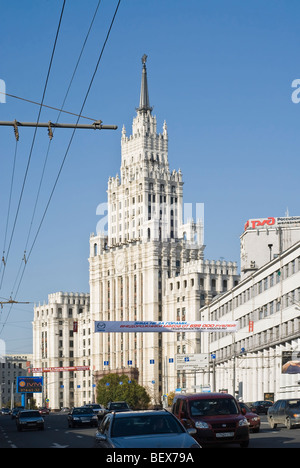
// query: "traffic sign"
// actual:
[[191, 362]]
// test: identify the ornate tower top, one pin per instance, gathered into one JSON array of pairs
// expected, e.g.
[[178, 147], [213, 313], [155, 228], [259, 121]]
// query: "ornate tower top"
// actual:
[[144, 96]]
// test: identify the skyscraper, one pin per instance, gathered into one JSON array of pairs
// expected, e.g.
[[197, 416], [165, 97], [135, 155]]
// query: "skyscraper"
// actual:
[[146, 244]]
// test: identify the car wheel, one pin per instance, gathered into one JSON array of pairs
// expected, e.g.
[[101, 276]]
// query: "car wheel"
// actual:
[[288, 423], [272, 423]]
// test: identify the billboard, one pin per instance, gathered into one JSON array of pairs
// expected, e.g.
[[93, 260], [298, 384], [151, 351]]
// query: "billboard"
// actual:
[[290, 362], [29, 384]]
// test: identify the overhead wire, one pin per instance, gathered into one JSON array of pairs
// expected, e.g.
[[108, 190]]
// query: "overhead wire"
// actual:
[[66, 154], [5, 259], [24, 259], [44, 105], [9, 206], [33, 142]]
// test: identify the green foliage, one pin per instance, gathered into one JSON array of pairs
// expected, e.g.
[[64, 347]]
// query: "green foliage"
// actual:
[[119, 389]]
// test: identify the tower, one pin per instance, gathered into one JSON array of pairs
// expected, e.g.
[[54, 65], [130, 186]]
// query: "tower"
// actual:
[[144, 245]]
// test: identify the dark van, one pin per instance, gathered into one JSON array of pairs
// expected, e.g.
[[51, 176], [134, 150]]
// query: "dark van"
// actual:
[[216, 416]]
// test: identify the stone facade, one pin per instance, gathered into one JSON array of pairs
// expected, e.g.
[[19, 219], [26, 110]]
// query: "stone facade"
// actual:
[[62, 331]]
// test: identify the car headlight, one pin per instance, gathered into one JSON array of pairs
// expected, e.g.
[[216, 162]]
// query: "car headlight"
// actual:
[[243, 422], [201, 425]]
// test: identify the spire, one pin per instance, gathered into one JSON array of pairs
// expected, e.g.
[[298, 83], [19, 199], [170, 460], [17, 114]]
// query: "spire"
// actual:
[[144, 96]]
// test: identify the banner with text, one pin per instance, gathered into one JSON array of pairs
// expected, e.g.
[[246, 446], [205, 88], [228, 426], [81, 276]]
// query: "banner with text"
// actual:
[[58, 369], [140, 326]]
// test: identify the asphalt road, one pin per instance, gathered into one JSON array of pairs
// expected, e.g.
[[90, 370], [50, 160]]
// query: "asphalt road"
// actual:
[[58, 435]]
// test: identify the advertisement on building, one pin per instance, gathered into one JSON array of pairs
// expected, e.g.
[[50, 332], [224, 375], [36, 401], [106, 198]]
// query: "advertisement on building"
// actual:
[[290, 362]]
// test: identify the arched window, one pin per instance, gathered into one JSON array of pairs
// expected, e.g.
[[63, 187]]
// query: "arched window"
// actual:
[[95, 250]]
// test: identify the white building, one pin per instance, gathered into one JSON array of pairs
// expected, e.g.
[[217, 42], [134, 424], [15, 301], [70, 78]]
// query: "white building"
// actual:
[[148, 248], [62, 331], [266, 304], [265, 238]]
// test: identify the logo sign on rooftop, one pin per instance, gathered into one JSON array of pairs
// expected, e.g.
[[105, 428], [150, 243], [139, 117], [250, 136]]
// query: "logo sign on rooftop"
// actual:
[[285, 221]]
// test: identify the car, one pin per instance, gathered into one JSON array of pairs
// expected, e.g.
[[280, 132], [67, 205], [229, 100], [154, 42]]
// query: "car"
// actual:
[[82, 416], [118, 406], [94, 406], [285, 412], [15, 411], [217, 418], [143, 429], [261, 407], [252, 418], [44, 411], [29, 419], [65, 409], [5, 411]]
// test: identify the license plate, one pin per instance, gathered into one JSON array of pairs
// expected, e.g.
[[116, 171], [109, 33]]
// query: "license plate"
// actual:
[[224, 434]]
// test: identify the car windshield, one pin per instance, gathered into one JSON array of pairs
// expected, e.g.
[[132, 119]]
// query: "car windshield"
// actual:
[[294, 404], [29, 414], [145, 425], [81, 411], [207, 407]]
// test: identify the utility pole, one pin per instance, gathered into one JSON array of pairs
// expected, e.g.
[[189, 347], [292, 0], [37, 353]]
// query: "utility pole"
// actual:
[[96, 125], [11, 301]]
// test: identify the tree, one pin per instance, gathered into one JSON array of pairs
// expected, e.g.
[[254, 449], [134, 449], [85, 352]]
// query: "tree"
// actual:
[[114, 387]]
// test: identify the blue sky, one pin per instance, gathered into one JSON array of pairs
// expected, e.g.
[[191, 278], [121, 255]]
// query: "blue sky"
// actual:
[[219, 73]]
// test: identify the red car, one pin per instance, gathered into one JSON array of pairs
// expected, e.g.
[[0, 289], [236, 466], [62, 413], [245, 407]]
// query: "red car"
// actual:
[[44, 410], [216, 416], [252, 418]]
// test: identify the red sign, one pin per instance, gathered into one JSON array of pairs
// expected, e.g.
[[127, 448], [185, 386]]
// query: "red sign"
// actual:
[[254, 223], [251, 326]]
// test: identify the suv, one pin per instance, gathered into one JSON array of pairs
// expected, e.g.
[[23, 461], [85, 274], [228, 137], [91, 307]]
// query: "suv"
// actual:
[[118, 406], [216, 416]]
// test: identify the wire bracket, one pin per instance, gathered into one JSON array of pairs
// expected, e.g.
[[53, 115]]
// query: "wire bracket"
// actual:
[[16, 130], [50, 133]]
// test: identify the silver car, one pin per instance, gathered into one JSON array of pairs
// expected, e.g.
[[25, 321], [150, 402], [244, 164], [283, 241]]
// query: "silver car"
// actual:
[[285, 412], [143, 429]]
